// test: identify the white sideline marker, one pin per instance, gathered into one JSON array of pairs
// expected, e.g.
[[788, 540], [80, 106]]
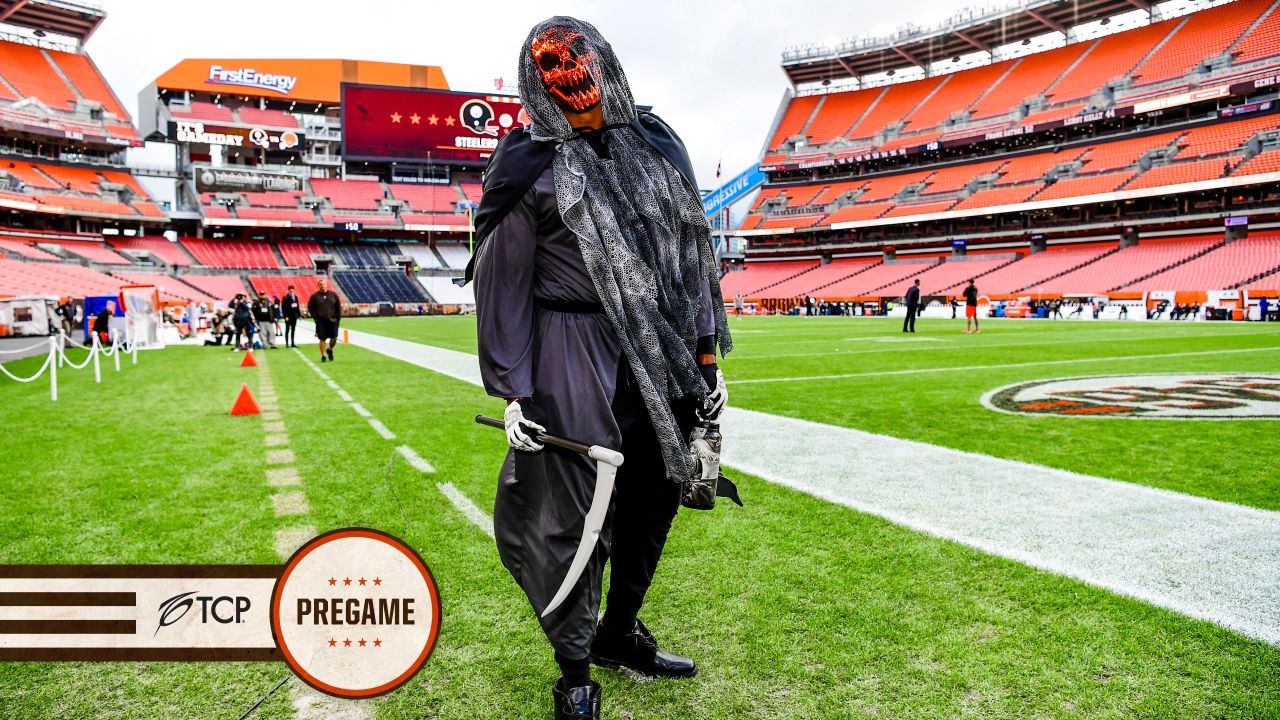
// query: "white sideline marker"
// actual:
[[274, 440], [1206, 559], [468, 509], [279, 457], [344, 395], [383, 430], [273, 427], [290, 539], [277, 477], [360, 409], [415, 459], [290, 503]]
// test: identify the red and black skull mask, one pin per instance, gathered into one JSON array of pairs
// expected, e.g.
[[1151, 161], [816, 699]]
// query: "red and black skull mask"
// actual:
[[565, 72]]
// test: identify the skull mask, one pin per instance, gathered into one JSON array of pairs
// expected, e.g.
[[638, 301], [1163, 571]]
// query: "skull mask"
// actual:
[[564, 72]]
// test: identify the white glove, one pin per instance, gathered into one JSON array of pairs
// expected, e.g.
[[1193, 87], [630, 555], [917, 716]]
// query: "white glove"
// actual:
[[716, 399], [517, 436]]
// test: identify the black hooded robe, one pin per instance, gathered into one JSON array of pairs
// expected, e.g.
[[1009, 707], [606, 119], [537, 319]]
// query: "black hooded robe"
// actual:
[[570, 365]]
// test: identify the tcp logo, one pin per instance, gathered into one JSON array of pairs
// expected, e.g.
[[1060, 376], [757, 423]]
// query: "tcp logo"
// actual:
[[224, 609], [1199, 396], [355, 613]]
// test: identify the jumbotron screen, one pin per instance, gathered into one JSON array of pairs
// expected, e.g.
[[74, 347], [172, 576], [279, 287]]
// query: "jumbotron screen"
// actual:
[[409, 124]]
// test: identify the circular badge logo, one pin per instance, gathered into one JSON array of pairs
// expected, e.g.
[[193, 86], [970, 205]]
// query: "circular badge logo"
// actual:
[[1183, 396], [355, 613]]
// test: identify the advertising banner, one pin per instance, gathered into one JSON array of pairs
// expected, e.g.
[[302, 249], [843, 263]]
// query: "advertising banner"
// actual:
[[382, 123]]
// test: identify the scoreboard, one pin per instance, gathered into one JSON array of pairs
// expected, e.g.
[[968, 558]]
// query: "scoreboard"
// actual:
[[419, 125]]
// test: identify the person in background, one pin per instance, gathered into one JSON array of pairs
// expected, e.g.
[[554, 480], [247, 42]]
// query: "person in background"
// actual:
[[1262, 309], [102, 323], [971, 307], [66, 312], [291, 310], [325, 308], [242, 320], [264, 319], [913, 307], [275, 313]]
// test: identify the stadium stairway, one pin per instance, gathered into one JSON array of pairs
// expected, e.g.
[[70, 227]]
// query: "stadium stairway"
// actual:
[[275, 250], [924, 268], [842, 278], [1069, 270], [1184, 260]]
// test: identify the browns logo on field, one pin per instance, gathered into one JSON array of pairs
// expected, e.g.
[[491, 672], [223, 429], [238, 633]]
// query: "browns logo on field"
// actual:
[[1194, 396]]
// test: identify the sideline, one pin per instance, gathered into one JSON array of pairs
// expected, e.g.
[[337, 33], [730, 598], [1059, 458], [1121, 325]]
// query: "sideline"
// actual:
[[1203, 558]]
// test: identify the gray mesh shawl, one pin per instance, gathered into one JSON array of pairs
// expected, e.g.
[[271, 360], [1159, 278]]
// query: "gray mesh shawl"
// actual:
[[641, 230]]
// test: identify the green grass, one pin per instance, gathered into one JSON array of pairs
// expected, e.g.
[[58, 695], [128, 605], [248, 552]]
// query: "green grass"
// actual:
[[794, 607], [940, 405]]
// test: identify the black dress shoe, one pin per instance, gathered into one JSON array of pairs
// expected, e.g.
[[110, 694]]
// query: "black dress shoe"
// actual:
[[638, 651], [576, 703]]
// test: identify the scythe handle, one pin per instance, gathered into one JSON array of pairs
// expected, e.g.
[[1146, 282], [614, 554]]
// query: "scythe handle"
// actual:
[[595, 452]]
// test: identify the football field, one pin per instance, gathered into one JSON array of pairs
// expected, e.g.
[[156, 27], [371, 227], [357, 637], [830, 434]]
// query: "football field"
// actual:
[[915, 542]]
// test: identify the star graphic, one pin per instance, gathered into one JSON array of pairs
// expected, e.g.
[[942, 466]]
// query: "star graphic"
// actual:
[[432, 119], [377, 642], [361, 581], [377, 581], [449, 120], [414, 118], [346, 581], [333, 581], [395, 117], [346, 643], [361, 642], [332, 642]]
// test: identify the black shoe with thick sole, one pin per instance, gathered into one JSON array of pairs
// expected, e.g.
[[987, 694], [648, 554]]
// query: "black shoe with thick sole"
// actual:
[[330, 351], [322, 358], [576, 703], [638, 651]]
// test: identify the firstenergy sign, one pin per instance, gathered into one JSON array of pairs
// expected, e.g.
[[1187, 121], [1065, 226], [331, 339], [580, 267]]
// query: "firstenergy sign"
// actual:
[[249, 77]]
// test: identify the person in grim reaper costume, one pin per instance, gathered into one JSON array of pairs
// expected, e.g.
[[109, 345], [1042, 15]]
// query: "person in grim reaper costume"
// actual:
[[599, 318]]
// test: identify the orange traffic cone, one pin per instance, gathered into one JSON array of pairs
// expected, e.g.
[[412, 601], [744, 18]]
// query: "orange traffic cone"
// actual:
[[248, 360], [245, 403]]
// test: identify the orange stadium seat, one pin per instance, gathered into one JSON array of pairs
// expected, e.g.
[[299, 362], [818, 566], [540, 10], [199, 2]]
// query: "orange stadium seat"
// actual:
[[894, 105], [220, 287], [1082, 185], [25, 249], [473, 191], [1110, 58], [29, 72], [1034, 167], [1121, 268], [427, 198], [272, 199], [1205, 35], [1261, 42], [920, 208], [79, 179], [1222, 269], [18, 277], [298, 254], [84, 75], [434, 219], [1176, 173], [250, 115], [92, 251], [790, 221], [31, 175], [954, 178], [814, 280], [794, 119], [757, 276], [231, 253], [89, 205], [1030, 77], [1037, 267], [992, 197], [871, 280], [379, 219], [1118, 154], [952, 275], [961, 90], [204, 111], [883, 188], [1266, 162], [1224, 137], [349, 194], [838, 114], [160, 247], [278, 285], [852, 213], [296, 216]]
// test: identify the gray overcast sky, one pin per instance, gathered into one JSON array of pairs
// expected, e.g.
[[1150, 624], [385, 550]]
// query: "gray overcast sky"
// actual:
[[711, 69]]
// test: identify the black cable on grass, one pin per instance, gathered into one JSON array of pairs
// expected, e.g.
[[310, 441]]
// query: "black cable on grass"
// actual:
[[263, 699], [404, 522]]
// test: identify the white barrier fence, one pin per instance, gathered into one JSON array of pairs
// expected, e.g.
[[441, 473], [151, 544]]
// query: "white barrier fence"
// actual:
[[57, 357]]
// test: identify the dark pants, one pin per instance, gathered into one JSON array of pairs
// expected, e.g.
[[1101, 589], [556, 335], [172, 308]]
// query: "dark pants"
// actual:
[[538, 517], [290, 331], [909, 322]]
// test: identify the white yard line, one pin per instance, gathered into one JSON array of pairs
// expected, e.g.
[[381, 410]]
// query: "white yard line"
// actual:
[[381, 429], [415, 459], [360, 409], [965, 368], [1206, 559], [470, 510]]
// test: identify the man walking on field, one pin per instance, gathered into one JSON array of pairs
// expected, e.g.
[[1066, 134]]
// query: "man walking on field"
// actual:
[[326, 310], [971, 307]]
